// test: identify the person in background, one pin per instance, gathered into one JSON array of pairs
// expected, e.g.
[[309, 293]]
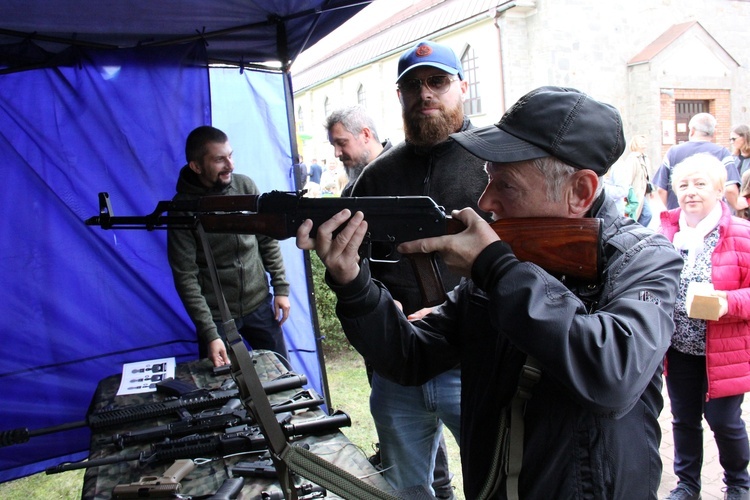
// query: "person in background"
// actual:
[[352, 133], [633, 175], [739, 140], [300, 174], [744, 213], [431, 89], [333, 180], [590, 415], [313, 183], [242, 260], [701, 132], [708, 362]]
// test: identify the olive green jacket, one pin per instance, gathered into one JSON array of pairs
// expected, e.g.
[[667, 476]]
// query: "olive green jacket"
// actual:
[[242, 262]]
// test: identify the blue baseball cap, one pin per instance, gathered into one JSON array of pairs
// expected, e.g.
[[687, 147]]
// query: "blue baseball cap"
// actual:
[[430, 54]]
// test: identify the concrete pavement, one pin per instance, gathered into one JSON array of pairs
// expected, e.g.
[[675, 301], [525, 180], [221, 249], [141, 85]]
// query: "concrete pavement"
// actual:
[[712, 473]]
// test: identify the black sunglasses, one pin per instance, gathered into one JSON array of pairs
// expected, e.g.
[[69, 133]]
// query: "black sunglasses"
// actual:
[[438, 84]]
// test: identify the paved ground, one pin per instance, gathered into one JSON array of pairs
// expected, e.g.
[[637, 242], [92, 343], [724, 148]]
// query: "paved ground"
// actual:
[[712, 471]]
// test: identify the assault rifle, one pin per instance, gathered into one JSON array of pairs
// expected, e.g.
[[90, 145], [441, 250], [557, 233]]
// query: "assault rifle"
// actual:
[[561, 246], [248, 439], [195, 401], [230, 415]]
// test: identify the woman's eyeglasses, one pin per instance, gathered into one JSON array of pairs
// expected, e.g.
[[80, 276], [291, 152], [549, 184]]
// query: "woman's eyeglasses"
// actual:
[[438, 84]]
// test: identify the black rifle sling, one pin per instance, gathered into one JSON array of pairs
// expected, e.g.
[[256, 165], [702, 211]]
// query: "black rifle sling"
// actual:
[[507, 456], [246, 378], [285, 457], [530, 375]]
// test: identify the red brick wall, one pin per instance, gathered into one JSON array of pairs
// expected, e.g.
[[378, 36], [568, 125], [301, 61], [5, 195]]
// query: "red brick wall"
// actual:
[[718, 105]]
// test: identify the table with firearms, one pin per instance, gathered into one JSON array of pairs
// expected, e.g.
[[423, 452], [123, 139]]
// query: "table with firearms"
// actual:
[[193, 438]]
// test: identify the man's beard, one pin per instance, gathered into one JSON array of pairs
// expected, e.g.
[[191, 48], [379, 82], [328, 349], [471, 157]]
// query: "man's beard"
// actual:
[[423, 130], [220, 185], [359, 165]]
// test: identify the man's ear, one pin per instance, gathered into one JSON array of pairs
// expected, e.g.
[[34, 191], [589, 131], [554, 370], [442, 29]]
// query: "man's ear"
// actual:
[[582, 191], [464, 89], [367, 133], [194, 167]]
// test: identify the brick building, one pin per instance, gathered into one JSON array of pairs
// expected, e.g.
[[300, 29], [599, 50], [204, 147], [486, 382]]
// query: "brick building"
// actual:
[[659, 62]]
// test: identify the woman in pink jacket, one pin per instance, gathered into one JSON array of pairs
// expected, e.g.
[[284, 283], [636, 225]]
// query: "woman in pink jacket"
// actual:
[[708, 363]]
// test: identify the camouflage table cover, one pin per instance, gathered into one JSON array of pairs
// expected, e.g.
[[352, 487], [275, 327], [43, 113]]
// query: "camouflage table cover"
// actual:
[[209, 475]]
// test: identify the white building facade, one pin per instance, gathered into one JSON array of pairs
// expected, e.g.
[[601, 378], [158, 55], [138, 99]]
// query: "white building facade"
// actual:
[[658, 61]]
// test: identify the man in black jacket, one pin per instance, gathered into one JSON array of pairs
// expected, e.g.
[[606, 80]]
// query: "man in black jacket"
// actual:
[[590, 417], [431, 90]]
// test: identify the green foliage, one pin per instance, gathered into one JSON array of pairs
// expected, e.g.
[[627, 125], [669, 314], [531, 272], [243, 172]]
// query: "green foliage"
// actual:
[[334, 340]]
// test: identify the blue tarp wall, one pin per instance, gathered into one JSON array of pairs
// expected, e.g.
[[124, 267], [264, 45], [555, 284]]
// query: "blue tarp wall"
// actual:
[[78, 301]]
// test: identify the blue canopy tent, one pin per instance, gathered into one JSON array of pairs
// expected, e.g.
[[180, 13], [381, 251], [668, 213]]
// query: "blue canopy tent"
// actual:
[[99, 96]]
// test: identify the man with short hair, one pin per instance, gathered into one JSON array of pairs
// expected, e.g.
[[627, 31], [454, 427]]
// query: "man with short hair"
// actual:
[[352, 133], [315, 171], [300, 174], [242, 260], [431, 89], [586, 425], [701, 132]]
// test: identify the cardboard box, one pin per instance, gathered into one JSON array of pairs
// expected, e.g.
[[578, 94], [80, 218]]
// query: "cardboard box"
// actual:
[[700, 303]]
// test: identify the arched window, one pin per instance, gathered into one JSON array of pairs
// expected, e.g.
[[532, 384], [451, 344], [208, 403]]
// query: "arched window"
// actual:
[[469, 63], [300, 119], [327, 107], [361, 96]]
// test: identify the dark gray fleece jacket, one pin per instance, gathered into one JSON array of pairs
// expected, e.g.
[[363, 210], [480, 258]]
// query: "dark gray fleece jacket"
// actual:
[[447, 173]]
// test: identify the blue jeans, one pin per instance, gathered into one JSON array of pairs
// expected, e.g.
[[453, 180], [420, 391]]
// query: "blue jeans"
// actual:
[[645, 218], [409, 423], [260, 329], [687, 385]]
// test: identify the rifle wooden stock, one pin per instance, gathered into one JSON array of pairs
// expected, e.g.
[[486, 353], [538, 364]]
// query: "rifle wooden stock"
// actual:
[[560, 246]]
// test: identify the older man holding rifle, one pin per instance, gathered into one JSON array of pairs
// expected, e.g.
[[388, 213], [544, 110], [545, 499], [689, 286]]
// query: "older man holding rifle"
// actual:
[[587, 355]]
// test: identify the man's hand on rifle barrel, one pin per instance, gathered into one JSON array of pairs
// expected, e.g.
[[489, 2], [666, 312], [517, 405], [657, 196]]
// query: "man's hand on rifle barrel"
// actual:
[[339, 253], [217, 352], [459, 251]]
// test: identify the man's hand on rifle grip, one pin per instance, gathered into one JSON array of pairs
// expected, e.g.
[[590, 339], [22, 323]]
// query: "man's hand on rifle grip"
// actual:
[[459, 251], [340, 254]]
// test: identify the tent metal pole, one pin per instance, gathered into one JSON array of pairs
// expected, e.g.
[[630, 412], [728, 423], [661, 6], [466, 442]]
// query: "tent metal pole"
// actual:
[[289, 97]]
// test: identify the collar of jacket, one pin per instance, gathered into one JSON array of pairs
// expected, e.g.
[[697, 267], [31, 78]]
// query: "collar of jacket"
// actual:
[[189, 183]]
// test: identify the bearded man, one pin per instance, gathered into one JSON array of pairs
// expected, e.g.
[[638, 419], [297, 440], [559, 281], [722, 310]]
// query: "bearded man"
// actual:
[[431, 89], [352, 133]]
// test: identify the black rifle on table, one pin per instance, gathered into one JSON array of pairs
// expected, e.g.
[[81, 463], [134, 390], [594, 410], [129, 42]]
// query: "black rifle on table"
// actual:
[[561, 246], [198, 400], [249, 439], [230, 415]]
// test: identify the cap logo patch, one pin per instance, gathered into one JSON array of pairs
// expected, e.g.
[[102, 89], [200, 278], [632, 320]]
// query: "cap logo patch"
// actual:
[[424, 50]]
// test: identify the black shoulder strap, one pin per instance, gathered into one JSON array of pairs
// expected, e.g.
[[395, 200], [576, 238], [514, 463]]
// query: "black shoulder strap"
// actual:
[[531, 373]]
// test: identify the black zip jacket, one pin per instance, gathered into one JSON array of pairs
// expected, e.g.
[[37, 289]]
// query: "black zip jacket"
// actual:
[[591, 428], [447, 173]]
